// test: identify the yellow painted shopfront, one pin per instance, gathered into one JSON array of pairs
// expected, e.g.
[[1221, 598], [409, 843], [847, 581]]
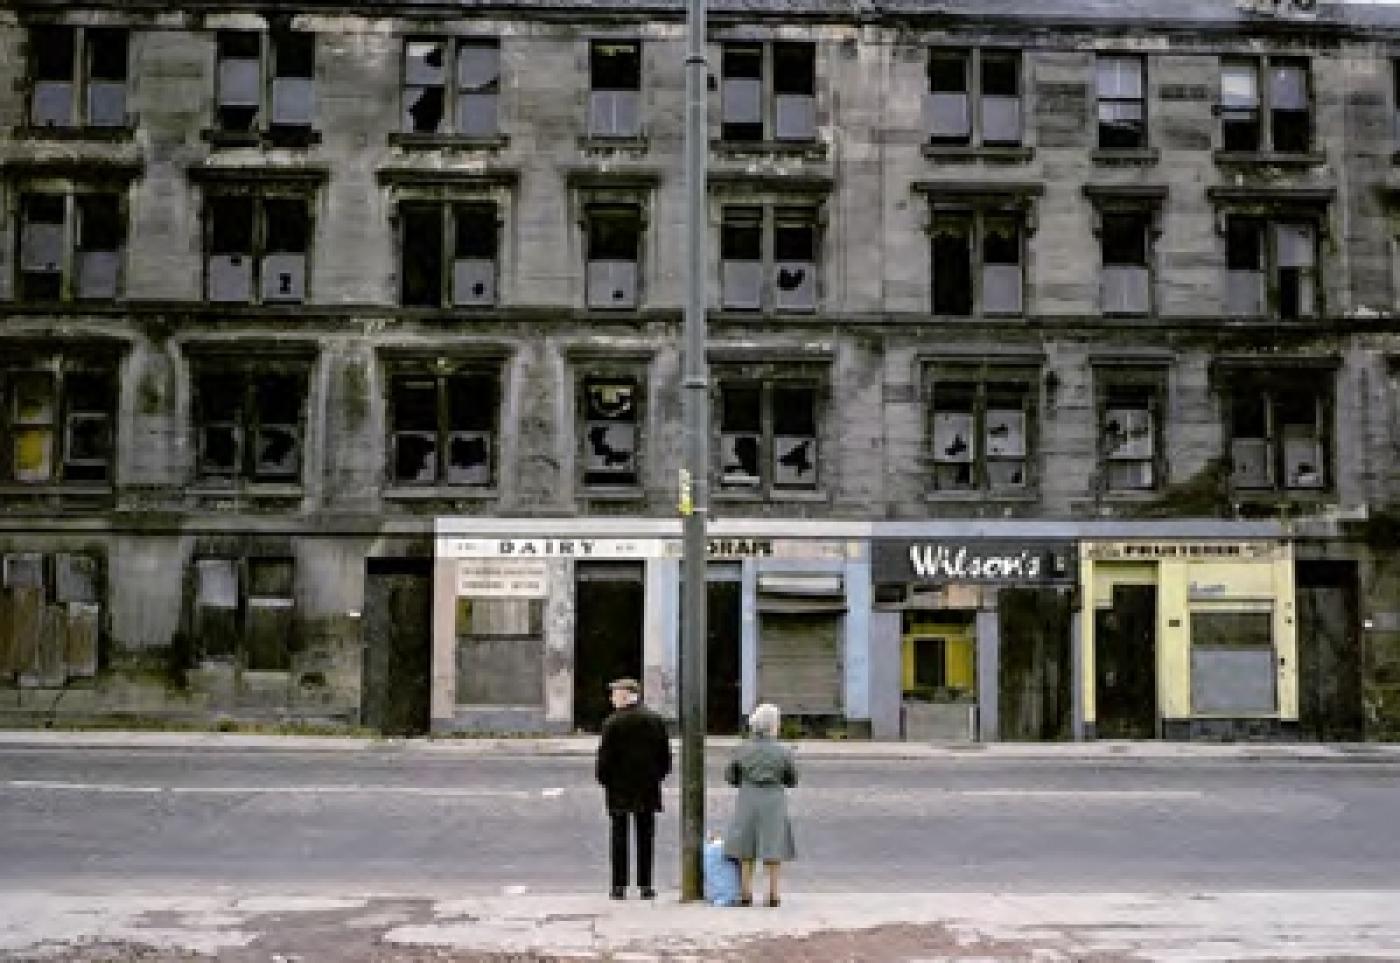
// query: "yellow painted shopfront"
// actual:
[[1188, 639]]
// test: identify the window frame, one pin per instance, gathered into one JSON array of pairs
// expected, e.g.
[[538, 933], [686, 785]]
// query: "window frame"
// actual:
[[974, 82], [450, 125], [81, 79], [1273, 390], [1144, 140], [448, 211], [983, 380], [1111, 385], [1267, 224], [442, 374], [59, 371], [245, 602], [72, 196], [248, 423], [595, 92], [768, 381], [769, 94], [1262, 67], [603, 375], [260, 195], [264, 124], [772, 215], [977, 215]]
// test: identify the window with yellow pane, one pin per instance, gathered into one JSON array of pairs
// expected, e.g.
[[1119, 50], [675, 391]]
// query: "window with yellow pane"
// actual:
[[939, 657], [57, 423]]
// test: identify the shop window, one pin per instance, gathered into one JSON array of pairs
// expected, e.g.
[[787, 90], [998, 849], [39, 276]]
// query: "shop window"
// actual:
[[257, 247], [1232, 662], [768, 436], [1278, 436], [78, 77], [1125, 284], [245, 611], [443, 428], [613, 238], [278, 99], [615, 93], [1271, 267], [978, 259], [448, 253], [452, 87], [1275, 116], [786, 111], [250, 422], [751, 278], [500, 651], [52, 608], [71, 245], [974, 97], [611, 432], [930, 663], [981, 434], [59, 422], [1122, 103], [1130, 433]]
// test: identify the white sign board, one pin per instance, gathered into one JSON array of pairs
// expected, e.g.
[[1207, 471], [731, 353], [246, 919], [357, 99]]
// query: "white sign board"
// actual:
[[535, 548], [502, 578]]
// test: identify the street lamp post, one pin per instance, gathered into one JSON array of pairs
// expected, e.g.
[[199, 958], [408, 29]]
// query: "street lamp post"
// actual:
[[694, 495]]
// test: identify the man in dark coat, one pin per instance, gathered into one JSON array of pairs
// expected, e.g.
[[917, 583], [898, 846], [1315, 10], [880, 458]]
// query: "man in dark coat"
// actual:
[[634, 756]]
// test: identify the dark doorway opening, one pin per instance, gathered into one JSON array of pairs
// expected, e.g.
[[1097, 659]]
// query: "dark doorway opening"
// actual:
[[1329, 652], [722, 671], [1125, 661], [398, 620], [1034, 685], [610, 600]]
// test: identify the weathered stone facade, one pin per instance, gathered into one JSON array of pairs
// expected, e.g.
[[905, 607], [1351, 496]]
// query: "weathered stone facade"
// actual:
[[875, 344]]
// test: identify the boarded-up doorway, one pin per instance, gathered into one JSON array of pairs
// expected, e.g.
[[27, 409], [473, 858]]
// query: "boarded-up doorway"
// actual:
[[398, 617], [1329, 652], [1034, 683], [1125, 661], [610, 600]]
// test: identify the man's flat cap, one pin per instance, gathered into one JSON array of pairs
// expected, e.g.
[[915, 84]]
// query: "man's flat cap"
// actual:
[[631, 685]]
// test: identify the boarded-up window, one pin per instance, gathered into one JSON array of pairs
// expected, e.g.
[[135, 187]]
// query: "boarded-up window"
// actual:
[[50, 618], [799, 659], [500, 651], [1232, 663]]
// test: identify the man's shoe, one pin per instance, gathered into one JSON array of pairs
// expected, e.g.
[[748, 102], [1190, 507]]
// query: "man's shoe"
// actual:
[[648, 893], [618, 892]]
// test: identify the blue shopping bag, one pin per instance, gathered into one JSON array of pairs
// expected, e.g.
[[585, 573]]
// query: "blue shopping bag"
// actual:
[[721, 874]]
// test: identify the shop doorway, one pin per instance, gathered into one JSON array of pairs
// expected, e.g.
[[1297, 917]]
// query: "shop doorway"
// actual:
[[1125, 661], [1034, 683], [610, 602], [723, 600], [398, 619], [1329, 652], [939, 675]]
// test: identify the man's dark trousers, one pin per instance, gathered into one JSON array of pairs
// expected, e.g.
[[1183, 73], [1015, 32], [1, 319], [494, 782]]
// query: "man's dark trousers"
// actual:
[[646, 833]]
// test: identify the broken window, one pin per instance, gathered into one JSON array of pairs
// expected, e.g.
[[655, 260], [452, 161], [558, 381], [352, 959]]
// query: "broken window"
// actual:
[[614, 244], [750, 113], [610, 431], [786, 281], [958, 79], [768, 435], [245, 611], [978, 260], [980, 434], [1278, 117], [50, 617], [443, 428], [250, 423], [1271, 267], [71, 245], [257, 247], [1125, 286], [58, 420], [1277, 435], [78, 76], [461, 99], [427, 231], [1122, 105], [1128, 432], [614, 105]]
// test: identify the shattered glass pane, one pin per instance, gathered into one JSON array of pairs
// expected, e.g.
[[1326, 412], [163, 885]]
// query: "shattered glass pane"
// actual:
[[468, 458], [424, 62], [1128, 433], [741, 408], [471, 402], [1006, 433], [610, 447], [478, 67], [423, 109], [953, 437], [277, 450], [794, 461], [739, 458], [415, 456], [1006, 474], [219, 449]]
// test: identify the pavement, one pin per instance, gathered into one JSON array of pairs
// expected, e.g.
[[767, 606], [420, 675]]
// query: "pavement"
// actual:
[[586, 745]]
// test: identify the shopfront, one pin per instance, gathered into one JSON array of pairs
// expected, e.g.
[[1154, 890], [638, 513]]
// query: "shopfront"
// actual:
[[532, 618], [979, 635], [1188, 639]]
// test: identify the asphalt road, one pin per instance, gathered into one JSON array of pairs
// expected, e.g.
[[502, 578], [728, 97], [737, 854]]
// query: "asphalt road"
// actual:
[[397, 822]]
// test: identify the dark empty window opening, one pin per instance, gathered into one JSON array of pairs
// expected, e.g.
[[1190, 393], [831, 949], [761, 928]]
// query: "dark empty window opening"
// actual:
[[610, 432], [240, 80], [768, 435], [421, 260], [444, 428], [613, 239], [980, 435], [742, 100], [977, 262], [615, 65], [952, 264], [250, 424], [258, 248], [1122, 104], [949, 105], [930, 663], [1125, 283]]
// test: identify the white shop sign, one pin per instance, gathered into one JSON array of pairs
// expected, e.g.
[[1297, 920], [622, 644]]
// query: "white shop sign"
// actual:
[[534, 548], [502, 578]]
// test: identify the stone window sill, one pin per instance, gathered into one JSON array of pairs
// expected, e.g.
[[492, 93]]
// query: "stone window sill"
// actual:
[[612, 494], [981, 496], [1001, 153], [1127, 158], [439, 493], [60, 489], [246, 489], [1234, 158], [810, 496], [409, 140], [76, 132], [808, 149], [599, 144], [287, 137]]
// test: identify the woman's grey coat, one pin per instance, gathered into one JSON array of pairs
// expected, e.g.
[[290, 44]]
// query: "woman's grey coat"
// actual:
[[763, 770]]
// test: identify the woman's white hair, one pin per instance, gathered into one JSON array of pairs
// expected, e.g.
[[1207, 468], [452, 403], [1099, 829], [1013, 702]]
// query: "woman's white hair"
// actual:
[[764, 720]]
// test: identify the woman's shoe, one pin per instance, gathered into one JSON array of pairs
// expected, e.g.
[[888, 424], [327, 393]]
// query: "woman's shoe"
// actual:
[[772, 901]]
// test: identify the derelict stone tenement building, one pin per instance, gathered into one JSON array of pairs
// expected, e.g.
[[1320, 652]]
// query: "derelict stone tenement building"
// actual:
[[1053, 350]]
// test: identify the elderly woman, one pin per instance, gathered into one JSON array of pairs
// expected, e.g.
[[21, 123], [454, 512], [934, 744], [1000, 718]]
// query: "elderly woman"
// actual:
[[759, 830]]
